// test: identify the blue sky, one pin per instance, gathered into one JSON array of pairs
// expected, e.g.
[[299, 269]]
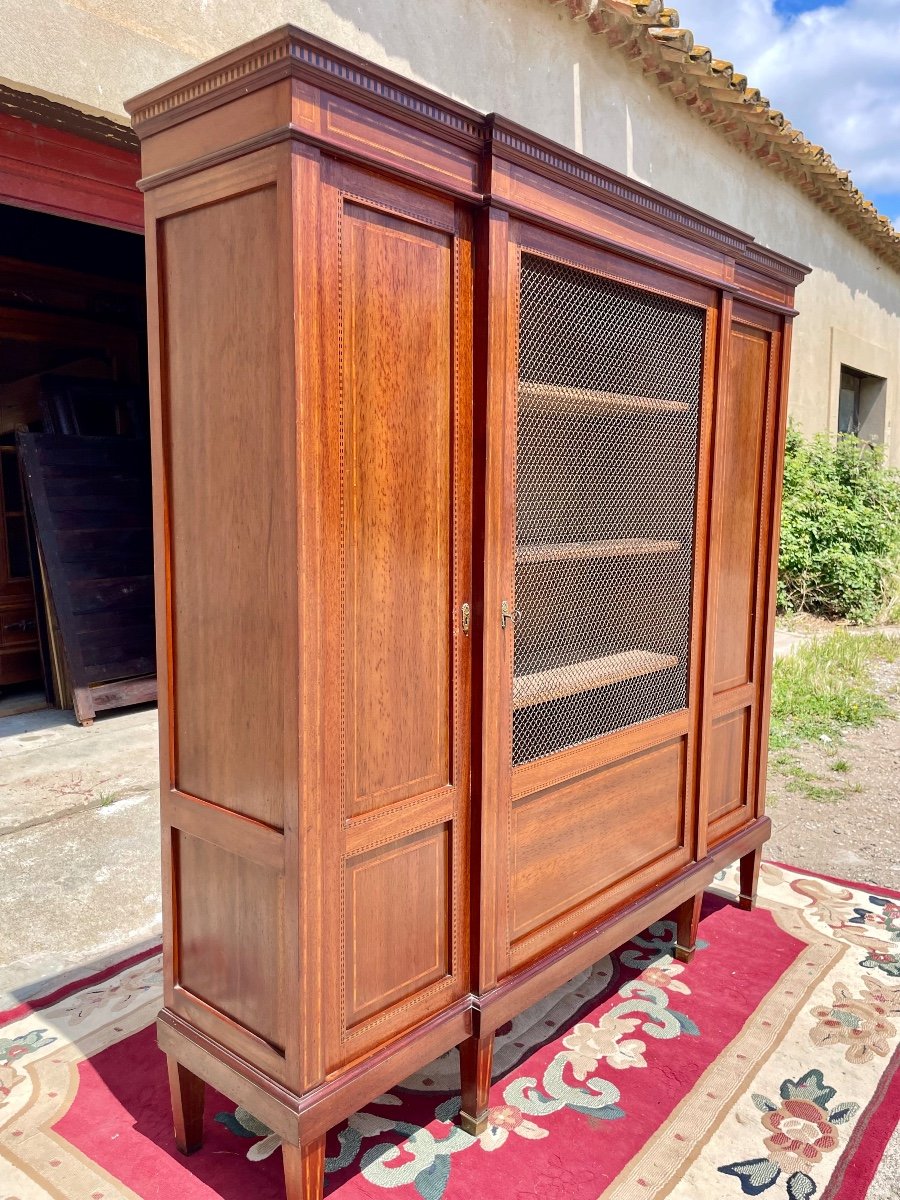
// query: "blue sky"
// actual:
[[833, 69], [790, 8]]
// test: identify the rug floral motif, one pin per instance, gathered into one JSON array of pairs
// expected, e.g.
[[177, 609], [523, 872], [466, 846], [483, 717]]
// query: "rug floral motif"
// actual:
[[767, 1067]]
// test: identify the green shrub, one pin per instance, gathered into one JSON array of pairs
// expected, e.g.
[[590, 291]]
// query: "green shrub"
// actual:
[[840, 529]]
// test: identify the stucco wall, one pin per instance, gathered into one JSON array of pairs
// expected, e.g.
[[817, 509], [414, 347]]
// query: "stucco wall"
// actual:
[[531, 62]]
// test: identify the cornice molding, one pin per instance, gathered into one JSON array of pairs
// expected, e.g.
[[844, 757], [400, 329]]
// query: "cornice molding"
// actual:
[[514, 141], [289, 52], [206, 81], [510, 141], [393, 89]]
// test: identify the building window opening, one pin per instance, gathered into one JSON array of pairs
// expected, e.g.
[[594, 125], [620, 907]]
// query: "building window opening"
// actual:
[[861, 405]]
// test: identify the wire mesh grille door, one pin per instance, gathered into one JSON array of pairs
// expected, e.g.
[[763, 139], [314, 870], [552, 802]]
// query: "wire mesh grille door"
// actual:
[[606, 466]]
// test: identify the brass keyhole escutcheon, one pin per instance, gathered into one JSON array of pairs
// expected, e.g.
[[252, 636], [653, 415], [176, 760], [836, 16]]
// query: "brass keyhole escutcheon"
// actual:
[[507, 614]]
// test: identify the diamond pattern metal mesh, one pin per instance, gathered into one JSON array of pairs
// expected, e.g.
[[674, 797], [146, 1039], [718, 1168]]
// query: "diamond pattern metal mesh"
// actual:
[[606, 466]]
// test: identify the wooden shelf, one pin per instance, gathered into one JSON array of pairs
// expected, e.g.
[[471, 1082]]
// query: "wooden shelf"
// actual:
[[577, 678], [551, 397], [571, 551]]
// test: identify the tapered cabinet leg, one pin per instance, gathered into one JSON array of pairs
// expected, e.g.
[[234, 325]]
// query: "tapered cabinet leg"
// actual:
[[749, 872], [304, 1170], [687, 918], [188, 1092], [476, 1059]]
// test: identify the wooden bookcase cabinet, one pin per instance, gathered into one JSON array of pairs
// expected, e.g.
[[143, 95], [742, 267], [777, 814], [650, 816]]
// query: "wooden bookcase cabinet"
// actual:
[[466, 458]]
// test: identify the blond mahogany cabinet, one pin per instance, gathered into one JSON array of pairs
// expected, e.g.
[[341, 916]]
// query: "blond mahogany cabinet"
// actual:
[[466, 456]]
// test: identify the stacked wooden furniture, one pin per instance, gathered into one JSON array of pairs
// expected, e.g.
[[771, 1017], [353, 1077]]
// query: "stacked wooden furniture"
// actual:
[[89, 502], [466, 462], [19, 657]]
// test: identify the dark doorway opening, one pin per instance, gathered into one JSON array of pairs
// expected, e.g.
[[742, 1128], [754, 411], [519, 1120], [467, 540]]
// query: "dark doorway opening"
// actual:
[[73, 365]]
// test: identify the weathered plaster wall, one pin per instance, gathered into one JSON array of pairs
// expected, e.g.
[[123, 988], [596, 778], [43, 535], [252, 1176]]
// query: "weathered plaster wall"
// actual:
[[531, 62]]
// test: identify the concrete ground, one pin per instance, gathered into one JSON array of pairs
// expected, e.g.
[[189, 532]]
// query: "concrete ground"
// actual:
[[79, 845], [835, 806], [804, 628]]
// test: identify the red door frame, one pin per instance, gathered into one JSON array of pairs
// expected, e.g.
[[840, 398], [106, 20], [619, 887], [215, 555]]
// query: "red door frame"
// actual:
[[55, 171]]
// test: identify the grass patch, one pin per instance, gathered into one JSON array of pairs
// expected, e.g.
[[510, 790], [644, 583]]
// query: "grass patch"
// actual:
[[806, 783], [841, 766], [826, 687]]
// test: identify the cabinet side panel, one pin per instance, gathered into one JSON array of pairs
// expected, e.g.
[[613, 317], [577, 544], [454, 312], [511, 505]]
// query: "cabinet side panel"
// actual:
[[739, 458], [230, 950], [230, 436], [398, 420]]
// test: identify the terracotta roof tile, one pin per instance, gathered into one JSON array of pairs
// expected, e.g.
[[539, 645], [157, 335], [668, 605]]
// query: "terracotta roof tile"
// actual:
[[647, 32]]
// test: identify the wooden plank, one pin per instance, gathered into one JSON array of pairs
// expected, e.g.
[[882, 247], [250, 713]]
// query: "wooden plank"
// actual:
[[572, 551], [578, 760], [631, 816], [128, 691], [552, 397], [242, 836], [126, 594], [576, 678]]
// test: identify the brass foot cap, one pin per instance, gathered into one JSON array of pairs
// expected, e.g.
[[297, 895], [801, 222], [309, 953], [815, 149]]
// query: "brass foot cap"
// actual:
[[473, 1125]]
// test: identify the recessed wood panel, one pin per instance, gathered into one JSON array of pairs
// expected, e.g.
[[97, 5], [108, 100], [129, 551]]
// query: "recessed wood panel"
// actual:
[[230, 935], [728, 762], [397, 346], [397, 904], [739, 480], [571, 843], [231, 447]]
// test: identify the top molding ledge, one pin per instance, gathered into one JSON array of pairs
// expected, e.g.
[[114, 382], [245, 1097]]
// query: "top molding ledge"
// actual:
[[289, 52]]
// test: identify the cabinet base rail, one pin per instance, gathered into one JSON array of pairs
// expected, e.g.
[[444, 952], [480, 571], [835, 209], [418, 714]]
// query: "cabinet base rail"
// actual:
[[301, 1121]]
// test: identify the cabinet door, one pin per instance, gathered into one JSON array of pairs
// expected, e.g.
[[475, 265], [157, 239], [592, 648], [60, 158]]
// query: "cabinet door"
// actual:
[[397, 279], [595, 665], [743, 534]]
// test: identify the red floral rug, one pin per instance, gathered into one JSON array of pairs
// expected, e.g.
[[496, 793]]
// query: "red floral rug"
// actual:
[[766, 1067]]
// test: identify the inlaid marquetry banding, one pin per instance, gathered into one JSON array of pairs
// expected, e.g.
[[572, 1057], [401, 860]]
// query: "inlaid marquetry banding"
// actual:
[[385, 825], [529, 151]]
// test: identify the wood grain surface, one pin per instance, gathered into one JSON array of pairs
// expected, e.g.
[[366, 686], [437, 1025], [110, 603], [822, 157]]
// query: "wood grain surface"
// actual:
[[357, 877]]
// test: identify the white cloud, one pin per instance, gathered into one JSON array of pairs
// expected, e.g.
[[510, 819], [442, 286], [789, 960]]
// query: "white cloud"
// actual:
[[834, 71]]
